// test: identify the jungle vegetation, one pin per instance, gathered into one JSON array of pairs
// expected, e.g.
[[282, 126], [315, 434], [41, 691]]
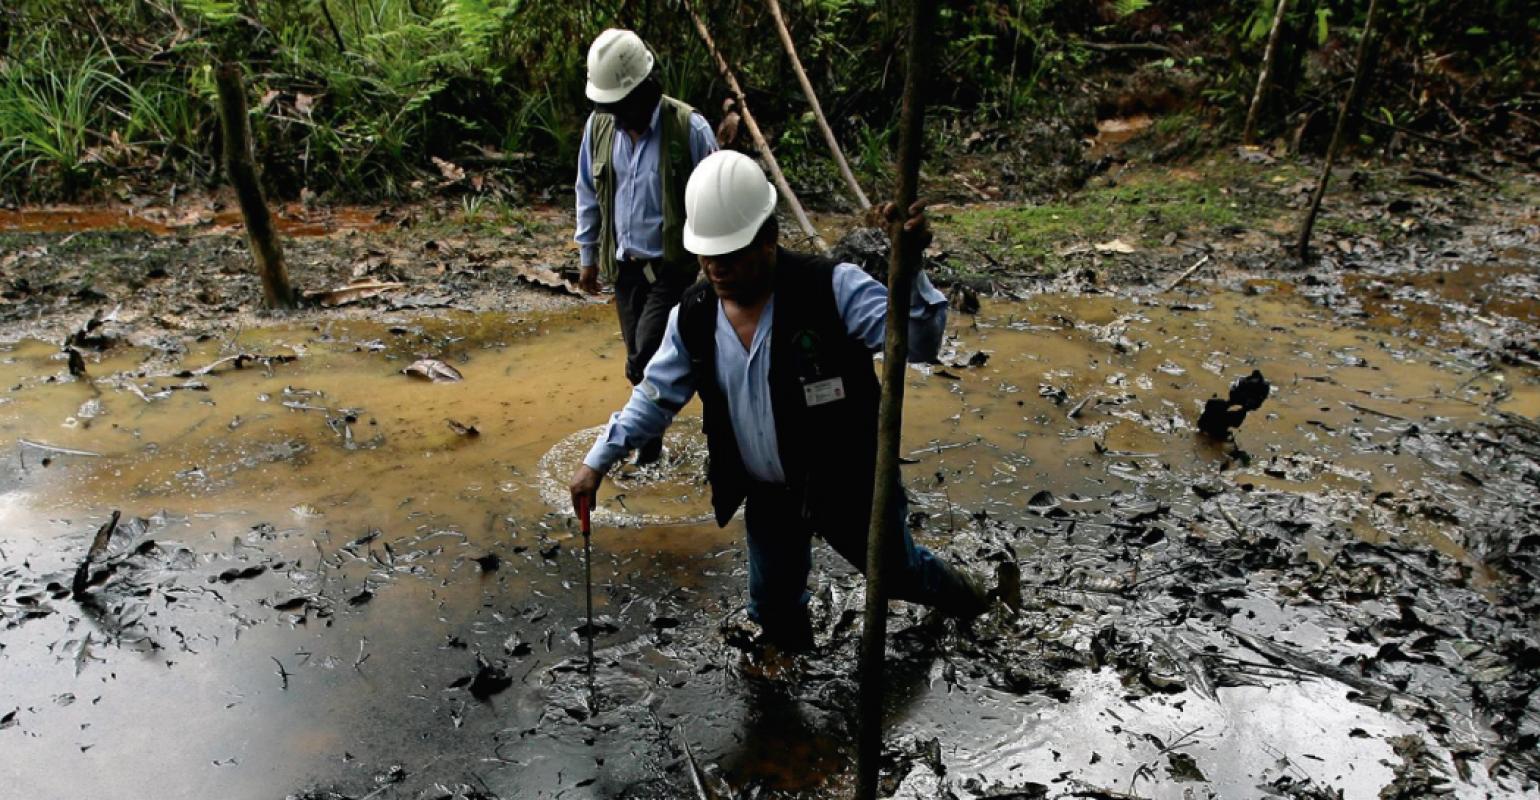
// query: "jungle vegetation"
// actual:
[[373, 99]]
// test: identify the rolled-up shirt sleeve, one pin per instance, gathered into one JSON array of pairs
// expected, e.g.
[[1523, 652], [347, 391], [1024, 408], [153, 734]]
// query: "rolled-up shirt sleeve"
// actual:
[[863, 305], [703, 141], [665, 388], [587, 236]]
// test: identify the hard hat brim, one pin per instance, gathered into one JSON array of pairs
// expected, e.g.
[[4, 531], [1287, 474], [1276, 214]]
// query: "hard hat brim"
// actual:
[[729, 242], [608, 95]]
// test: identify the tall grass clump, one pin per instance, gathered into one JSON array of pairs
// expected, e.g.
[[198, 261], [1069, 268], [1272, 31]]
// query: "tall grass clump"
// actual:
[[53, 111]]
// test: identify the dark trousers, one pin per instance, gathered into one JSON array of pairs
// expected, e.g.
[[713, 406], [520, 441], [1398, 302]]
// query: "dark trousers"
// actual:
[[643, 307], [780, 557]]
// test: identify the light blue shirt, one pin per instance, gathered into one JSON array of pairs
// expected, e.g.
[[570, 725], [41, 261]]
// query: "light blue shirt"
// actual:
[[638, 190], [744, 373]]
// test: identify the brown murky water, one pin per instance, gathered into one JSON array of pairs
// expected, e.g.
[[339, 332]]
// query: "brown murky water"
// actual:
[[291, 221], [343, 477]]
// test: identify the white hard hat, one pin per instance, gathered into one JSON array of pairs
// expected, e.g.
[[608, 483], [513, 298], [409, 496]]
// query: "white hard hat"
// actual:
[[617, 62], [726, 201]]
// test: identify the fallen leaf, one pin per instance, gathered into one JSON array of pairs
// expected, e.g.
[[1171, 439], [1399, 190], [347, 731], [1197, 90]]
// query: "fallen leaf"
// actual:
[[434, 370], [539, 275], [450, 172], [358, 290], [1042, 501], [1115, 246]]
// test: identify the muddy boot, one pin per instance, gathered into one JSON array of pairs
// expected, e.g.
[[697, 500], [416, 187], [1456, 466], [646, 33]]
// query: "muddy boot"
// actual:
[[967, 597], [795, 636], [649, 453]]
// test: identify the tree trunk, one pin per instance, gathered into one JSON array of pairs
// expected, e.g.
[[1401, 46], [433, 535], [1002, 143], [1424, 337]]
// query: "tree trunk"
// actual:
[[812, 100], [260, 232], [1270, 53], [1348, 112], [787, 195], [904, 261]]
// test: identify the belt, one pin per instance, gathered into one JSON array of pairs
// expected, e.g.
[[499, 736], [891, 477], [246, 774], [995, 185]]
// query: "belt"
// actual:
[[650, 267]]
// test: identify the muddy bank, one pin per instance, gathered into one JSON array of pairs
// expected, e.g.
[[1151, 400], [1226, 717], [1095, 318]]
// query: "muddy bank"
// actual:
[[185, 271]]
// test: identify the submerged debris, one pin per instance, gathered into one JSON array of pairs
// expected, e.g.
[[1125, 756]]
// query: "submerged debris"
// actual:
[[1222, 416], [98, 546], [488, 680], [433, 370]]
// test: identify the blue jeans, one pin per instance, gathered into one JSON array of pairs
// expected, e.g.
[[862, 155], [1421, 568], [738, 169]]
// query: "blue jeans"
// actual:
[[780, 557]]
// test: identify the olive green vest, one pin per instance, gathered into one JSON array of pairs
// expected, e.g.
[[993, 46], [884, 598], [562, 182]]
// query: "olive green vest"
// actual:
[[674, 163]]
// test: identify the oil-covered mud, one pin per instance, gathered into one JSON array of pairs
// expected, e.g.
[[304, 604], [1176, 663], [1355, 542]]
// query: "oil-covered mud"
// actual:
[[334, 578]]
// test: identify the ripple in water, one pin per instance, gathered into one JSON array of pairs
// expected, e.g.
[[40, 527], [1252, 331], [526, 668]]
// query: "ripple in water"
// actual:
[[670, 492]]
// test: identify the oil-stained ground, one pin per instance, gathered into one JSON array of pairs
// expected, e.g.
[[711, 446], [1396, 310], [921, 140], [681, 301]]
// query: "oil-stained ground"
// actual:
[[336, 578]]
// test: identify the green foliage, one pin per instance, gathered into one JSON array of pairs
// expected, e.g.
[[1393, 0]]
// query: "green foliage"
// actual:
[[1128, 8], [479, 26], [214, 12], [356, 97]]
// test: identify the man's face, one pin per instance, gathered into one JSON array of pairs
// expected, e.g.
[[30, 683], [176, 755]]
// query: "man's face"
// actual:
[[634, 111], [742, 276]]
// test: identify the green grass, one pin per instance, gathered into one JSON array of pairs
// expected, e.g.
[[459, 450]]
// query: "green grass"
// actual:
[[1215, 199], [489, 215], [1140, 215]]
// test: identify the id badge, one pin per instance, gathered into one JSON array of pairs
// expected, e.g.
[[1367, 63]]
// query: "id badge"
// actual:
[[821, 392]]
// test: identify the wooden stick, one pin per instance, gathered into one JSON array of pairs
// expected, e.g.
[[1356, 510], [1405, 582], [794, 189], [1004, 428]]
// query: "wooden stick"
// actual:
[[787, 195], [812, 100], [904, 262], [1185, 275], [1349, 110], [1268, 55], [261, 234], [54, 449], [1128, 47]]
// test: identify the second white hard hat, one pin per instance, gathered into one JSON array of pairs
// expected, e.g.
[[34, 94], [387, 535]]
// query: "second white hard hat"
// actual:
[[726, 201], [617, 62]]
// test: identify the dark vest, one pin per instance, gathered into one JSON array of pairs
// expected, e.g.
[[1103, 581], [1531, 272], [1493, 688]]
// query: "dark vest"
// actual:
[[828, 451], [674, 168]]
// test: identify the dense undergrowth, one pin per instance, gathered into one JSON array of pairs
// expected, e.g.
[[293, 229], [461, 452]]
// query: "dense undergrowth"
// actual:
[[373, 99]]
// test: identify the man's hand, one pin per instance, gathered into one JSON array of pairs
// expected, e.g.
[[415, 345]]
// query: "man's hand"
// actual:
[[917, 232], [588, 279], [585, 483]]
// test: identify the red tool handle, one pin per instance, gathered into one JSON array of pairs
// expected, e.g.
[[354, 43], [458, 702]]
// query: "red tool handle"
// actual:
[[582, 510]]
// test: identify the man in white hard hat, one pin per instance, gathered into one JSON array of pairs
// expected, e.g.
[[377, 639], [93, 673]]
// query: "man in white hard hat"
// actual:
[[779, 346], [638, 150]]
